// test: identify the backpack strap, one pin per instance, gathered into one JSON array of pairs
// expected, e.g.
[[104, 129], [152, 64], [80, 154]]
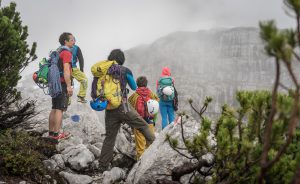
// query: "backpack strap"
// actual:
[[118, 72], [62, 48], [94, 88], [145, 107], [101, 92]]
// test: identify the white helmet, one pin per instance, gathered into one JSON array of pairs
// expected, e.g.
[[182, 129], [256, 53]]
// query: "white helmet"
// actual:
[[169, 90], [152, 106]]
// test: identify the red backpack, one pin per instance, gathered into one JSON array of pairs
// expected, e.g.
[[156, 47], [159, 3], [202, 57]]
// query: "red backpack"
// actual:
[[141, 104]]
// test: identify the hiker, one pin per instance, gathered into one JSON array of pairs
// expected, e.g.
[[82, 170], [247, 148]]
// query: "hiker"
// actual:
[[78, 74], [123, 113], [60, 102], [166, 93], [144, 100]]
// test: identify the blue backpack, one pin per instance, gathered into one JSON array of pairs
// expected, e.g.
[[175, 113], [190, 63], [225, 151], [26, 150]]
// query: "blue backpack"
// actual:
[[48, 75], [162, 83]]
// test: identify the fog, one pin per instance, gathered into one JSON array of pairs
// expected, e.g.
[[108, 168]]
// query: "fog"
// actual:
[[101, 25]]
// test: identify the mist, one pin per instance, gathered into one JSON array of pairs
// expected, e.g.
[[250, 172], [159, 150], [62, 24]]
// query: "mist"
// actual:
[[101, 25]]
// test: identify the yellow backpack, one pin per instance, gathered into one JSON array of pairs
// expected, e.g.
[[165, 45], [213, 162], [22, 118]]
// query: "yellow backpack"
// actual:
[[106, 86]]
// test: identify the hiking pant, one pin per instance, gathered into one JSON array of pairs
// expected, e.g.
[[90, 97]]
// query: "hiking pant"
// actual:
[[113, 120], [167, 112], [82, 79], [140, 142]]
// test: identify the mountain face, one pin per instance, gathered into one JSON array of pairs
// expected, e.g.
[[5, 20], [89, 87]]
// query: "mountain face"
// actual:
[[213, 63], [206, 63]]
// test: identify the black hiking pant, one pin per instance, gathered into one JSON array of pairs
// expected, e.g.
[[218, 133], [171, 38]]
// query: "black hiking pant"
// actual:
[[113, 120]]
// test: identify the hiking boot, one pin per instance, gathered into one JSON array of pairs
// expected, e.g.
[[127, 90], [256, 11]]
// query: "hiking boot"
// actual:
[[61, 136], [81, 99]]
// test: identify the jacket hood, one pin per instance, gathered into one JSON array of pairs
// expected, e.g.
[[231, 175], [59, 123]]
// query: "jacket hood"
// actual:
[[143, 91], [166, 71]]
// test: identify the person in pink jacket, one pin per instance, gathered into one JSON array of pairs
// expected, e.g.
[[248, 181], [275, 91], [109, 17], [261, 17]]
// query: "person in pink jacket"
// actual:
[[165, 91]]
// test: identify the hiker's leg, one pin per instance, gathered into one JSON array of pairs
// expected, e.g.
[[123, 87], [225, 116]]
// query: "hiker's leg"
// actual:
[[58, 120], [59, 104], [140, 143], [163, 113], [82, 79], [171, 114], [152, 128], [133, 119], [112, 125], [51, 121]]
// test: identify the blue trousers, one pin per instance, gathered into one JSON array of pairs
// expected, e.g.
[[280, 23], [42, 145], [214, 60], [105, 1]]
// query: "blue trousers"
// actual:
[[166, 112]]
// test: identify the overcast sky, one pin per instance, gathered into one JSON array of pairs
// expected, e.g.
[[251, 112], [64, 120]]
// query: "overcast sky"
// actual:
[[102, 25]]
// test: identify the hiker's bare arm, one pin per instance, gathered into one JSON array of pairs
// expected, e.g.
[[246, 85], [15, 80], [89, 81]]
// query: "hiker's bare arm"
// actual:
[[67, 76]]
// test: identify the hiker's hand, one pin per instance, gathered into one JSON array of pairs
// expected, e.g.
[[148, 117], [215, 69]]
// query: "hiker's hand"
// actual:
[[70, 90]]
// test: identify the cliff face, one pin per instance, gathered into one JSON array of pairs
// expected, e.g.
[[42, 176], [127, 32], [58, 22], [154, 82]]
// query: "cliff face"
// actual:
[[207, 63]]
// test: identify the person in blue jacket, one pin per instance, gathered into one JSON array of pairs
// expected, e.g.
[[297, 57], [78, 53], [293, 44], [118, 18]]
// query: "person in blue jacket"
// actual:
[[79, 74], [125, 113]]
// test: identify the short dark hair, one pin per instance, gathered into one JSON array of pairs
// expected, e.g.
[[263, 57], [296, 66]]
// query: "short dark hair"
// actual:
[[64, 37], [141, 81], [117, 55]]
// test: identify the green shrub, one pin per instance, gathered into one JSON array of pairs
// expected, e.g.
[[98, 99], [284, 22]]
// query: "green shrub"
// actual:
[[238, 133], [21, 154]]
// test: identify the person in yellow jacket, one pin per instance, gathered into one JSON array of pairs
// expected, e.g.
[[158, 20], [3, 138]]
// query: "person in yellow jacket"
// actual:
[[138, 100], [78, 74]]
